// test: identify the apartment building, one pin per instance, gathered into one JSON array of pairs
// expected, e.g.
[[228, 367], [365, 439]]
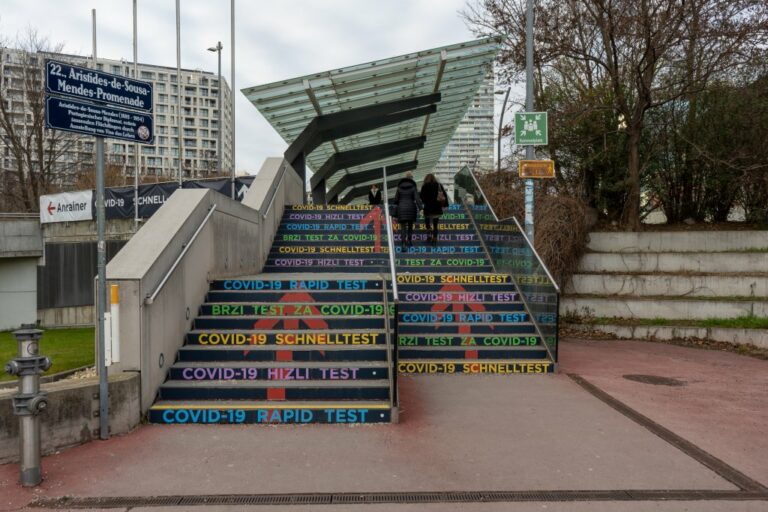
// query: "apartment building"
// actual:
[[473, 140], [199, 114]]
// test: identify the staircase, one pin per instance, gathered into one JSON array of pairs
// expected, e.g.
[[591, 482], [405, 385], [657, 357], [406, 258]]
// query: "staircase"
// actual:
[[456, 315], [307, 340]]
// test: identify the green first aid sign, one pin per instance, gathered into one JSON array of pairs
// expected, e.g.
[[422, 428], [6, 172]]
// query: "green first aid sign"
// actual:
[[531, 129]]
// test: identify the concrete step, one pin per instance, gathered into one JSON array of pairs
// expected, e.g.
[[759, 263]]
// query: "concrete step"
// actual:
[[245, 338], [669, 284], [660, 307], [651, 262], [303, 353], [756, 337], [689, 241], [468, 341]]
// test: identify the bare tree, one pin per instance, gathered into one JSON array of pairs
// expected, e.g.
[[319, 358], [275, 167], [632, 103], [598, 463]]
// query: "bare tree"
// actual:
[[648, 52], [42, 159]]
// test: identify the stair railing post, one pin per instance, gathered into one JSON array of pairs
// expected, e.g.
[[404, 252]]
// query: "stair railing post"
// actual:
[[392, 349]]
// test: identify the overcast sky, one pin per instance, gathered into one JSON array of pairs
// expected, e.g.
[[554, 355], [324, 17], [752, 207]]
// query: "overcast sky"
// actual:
[[275, 39]]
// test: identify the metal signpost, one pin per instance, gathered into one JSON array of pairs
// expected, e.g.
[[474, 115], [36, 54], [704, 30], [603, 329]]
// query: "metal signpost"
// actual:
[[90, 102]]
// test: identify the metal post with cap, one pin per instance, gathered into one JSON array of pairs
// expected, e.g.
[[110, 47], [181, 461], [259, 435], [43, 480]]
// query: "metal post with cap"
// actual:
[[30, 401]]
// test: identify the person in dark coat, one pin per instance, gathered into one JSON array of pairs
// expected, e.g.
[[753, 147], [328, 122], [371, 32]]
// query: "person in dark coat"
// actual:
[[408, 203], [434, 198], [374, 195]]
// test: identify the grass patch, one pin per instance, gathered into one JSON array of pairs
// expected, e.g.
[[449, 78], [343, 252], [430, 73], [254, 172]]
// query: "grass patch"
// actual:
[[67, 348], [742, 322]]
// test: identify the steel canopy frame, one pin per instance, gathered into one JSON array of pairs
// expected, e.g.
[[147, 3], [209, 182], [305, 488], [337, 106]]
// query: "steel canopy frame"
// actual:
[[455, 71], [368, 176], [359, 156]]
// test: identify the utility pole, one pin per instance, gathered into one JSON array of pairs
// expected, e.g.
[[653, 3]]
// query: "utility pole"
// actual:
[[232, 46], [501, 125], [179, 91], [136, 157], [101, 270], [529, 150]]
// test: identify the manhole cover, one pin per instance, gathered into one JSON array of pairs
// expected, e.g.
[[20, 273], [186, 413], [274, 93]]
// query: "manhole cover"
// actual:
[[655, 380]]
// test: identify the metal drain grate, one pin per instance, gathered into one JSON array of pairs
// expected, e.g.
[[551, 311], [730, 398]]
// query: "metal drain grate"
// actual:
[[396, 498]]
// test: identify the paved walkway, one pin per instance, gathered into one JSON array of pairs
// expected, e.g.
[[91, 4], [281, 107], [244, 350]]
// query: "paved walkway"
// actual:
[[465, 433]]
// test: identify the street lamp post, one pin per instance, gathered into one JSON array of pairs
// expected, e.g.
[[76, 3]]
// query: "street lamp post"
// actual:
[[217, 49], [501, 124]]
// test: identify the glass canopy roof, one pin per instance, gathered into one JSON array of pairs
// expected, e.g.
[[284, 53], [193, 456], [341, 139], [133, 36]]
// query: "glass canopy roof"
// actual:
[[456, 71]]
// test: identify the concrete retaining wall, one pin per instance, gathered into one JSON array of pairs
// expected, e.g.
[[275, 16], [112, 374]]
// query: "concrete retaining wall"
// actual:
[[668, 284], [756, 337], [674, 262], [631, 307], [69, 419], [687, 241]]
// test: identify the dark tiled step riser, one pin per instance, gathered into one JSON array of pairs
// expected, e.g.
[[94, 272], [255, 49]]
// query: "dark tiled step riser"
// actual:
[[452, 239], [463, 317], [316, 355], [475, 367], [295, 310], [471, 353], [297, 285], [468, 341], [361, 260], [335, 217], [341, 227], [311, 297], [279, 269], [267, 416], [300, 249], [285, 339], [368, 269], [294, 323], [277, 374], [429, 329], [471, 306], [239, 393]]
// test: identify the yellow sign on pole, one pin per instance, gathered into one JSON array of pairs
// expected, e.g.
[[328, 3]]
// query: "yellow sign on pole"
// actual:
[[536, 168]]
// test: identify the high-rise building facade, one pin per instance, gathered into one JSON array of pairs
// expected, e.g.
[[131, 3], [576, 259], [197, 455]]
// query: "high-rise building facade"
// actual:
[[199, 119], [472, 143]]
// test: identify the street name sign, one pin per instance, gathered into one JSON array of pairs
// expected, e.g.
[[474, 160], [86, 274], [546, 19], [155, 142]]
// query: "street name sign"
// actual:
[[536, 168], [62, 79], [531, 129], [98, 120]]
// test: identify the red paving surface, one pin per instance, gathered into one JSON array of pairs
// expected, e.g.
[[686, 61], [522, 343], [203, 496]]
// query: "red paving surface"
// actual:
[[723, 408]]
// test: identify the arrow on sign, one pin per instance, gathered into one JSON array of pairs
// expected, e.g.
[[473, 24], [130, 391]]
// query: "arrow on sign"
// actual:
[[242, 191], [51, 208]]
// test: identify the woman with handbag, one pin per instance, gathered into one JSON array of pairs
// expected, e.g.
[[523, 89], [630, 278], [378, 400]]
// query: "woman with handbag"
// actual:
[[434, 198], [408, 205]]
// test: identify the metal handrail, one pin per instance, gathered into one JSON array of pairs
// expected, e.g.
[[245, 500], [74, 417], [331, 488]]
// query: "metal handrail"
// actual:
[[517, 287], [151, 298], [390, 238], [391, 363], [392, 349], [274, 191], [522, 231]]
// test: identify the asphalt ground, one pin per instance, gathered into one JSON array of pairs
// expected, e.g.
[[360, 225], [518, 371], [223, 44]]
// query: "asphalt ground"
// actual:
[[605, 433]]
